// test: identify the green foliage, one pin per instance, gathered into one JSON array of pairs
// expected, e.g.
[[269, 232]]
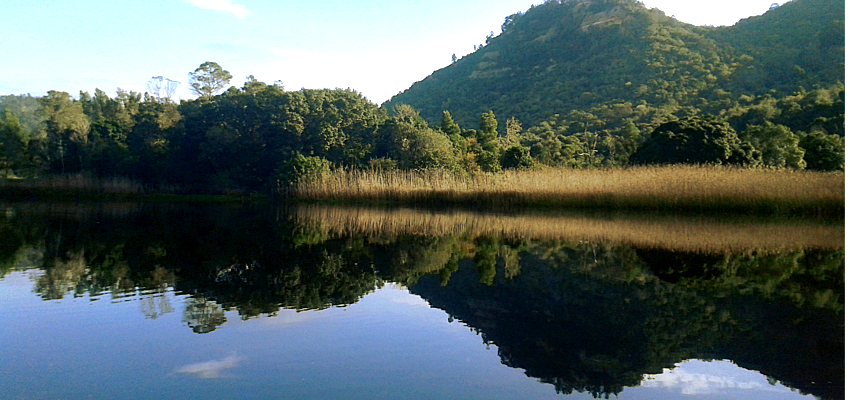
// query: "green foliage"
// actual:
[[27, 109], [112, 122], [448, 125], [694, 140], [779, 147], [340, 125], [824, 152], [301, 169], [13, 143], [564, 56], [576, 73], [568, 141], [407, 114], [151, 144], [517, 157], [67, 129], [484, 147], [244, 134], [453, 132], [208, 79], [513, 129], [487, 132], [383, 163], [621, 144], [489, 161], [801, 36], [415, 146], [597, 84]]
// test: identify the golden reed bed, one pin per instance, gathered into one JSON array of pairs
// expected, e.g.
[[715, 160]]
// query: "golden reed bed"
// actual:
[[669, 188], [692, 234]]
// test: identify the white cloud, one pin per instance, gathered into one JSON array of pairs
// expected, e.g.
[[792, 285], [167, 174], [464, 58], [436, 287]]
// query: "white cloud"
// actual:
[[221, 5]]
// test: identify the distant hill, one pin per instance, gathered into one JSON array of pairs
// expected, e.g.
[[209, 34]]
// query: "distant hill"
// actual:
[[568, 55]]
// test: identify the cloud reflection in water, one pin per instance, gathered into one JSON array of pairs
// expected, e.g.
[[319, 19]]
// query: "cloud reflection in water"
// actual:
[[694, 377], [210, 369]]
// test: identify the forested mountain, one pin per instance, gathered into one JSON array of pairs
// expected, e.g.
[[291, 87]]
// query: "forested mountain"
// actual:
[[617, 57]]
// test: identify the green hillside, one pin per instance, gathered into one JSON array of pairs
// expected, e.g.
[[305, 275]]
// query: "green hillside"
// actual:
[[617, 60]]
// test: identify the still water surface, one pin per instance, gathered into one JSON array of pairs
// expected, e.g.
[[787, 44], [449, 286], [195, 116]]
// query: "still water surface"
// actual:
[[141, 301]]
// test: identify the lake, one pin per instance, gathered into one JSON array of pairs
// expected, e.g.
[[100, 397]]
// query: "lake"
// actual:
[[135, 300]]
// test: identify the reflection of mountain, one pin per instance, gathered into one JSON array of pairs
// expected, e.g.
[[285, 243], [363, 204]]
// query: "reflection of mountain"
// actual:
[[564, 329], [570, 327]]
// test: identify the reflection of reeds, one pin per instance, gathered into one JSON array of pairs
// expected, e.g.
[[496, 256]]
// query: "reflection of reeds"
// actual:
[[646, 188], [73, 210], [72, 185], [698, 234]]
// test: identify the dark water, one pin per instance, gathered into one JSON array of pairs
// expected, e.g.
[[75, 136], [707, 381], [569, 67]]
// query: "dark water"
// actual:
[[201, 301]]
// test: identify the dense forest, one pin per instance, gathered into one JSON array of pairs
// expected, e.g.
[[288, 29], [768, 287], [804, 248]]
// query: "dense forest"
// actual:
[[590, 83]]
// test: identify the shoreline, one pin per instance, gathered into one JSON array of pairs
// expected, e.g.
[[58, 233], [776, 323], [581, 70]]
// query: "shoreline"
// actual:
[[667, 189]]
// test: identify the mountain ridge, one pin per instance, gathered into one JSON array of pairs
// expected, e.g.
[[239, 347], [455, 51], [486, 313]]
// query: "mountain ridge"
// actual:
[[568, 55]]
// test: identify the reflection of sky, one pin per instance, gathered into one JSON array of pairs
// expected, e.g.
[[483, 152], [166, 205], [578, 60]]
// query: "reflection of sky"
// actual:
[[711, 379], [388, 345]]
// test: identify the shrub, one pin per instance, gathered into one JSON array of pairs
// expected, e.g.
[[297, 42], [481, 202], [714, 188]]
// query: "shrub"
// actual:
[[824, 152], [301, 168], [517, 157], [695, 140]]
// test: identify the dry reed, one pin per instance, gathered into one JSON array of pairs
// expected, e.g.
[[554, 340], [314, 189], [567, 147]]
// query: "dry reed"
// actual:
[[671, 188], [678, 233]]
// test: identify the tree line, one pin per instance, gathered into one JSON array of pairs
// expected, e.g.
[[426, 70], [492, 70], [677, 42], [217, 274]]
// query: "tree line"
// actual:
[[260, 137]]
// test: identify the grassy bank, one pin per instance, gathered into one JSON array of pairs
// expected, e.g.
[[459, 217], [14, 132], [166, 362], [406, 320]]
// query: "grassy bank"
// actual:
[[670, 188]]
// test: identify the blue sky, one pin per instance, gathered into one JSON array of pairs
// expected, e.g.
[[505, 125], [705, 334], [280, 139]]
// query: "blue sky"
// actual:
[[377, 47]]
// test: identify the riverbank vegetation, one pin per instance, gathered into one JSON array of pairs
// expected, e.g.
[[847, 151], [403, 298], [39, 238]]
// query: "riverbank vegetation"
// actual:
[[702, 100], [261, 138], [657, 188]]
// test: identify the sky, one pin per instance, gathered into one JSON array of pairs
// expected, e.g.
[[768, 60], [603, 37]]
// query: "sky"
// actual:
[[376, 47]]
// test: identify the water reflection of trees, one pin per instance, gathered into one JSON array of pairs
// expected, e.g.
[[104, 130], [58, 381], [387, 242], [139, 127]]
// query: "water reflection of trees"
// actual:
[[582, 315], [203, 315], [155, 304], [595, 318], [240, 258]]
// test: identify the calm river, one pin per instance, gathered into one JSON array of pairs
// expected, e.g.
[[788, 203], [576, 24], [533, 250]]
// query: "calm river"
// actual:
[[106, 300]]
